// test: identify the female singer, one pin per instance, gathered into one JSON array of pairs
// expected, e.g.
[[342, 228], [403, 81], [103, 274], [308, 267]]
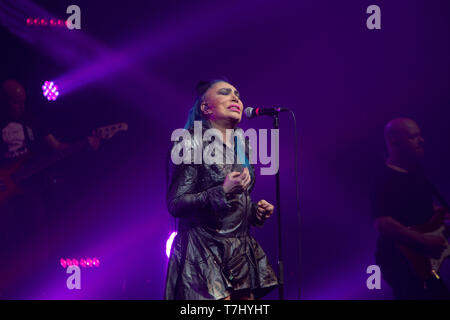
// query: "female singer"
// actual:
[[213, 255]]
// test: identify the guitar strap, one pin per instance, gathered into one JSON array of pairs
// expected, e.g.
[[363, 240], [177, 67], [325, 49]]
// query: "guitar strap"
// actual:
[[28, 140]]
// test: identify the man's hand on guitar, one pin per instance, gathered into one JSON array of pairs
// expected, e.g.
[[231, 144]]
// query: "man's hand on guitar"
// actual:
[[442, 213], [105, 133], [432, 246], [444, 218], [94, 141]]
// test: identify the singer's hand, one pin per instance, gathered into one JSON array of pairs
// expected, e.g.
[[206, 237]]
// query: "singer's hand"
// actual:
[[264, 210], [237, 181]]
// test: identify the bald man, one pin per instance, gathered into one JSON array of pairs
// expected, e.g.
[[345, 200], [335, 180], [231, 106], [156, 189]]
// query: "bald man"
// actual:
[[403, 197]]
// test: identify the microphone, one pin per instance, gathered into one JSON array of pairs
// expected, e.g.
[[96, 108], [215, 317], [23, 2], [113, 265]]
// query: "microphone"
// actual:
[[255, 112]]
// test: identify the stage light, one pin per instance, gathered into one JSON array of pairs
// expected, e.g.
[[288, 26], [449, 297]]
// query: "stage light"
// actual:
[[96, 262], [85, 263], [50, 90], [169, 243], [45, 22]]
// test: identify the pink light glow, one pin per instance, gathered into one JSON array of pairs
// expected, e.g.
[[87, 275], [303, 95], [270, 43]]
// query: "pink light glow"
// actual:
[[50, 90], [45, 22], [169, 243], [96, 262], [85, 263]]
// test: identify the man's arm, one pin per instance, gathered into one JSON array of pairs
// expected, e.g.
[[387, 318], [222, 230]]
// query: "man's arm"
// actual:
[[393, 229], [427, 244], [55, 144]]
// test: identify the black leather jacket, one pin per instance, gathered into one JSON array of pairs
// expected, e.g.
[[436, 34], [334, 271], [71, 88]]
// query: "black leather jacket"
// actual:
[[213, 251], [196, 195]]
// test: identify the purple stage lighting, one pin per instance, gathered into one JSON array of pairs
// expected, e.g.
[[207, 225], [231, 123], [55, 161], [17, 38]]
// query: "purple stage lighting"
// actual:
[[46, 22], [169, 243], [50, 90], [84, 263], [96, 262]]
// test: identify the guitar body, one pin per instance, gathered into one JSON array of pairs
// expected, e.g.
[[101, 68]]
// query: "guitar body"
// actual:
[[11, 176], [8, 187], [423, 266]]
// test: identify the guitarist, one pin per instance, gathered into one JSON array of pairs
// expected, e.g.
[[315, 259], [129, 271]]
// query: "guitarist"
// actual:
[[403, 197], [19, 131], [22, 218]]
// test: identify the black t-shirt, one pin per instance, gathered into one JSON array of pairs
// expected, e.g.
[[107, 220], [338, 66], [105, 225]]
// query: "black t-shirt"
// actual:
[[18, 137], [406, 197]]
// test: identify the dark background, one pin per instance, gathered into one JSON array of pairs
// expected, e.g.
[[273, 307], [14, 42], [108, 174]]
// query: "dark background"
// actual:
[[139, 61]]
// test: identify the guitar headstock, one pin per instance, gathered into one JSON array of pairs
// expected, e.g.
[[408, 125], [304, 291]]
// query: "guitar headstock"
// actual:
[[108, 132]]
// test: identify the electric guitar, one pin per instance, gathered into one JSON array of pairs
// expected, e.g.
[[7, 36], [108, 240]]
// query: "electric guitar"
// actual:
[[425, 267], [30, 164]]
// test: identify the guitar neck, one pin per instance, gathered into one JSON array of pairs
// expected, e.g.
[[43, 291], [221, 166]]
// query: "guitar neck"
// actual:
[[45, 160], [42, 161]]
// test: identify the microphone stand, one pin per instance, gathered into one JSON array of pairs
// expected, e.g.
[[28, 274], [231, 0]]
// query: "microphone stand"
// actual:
[[278, 208]]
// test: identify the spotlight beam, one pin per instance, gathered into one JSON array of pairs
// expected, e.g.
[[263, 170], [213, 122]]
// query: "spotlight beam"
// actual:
[[152, 45]]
